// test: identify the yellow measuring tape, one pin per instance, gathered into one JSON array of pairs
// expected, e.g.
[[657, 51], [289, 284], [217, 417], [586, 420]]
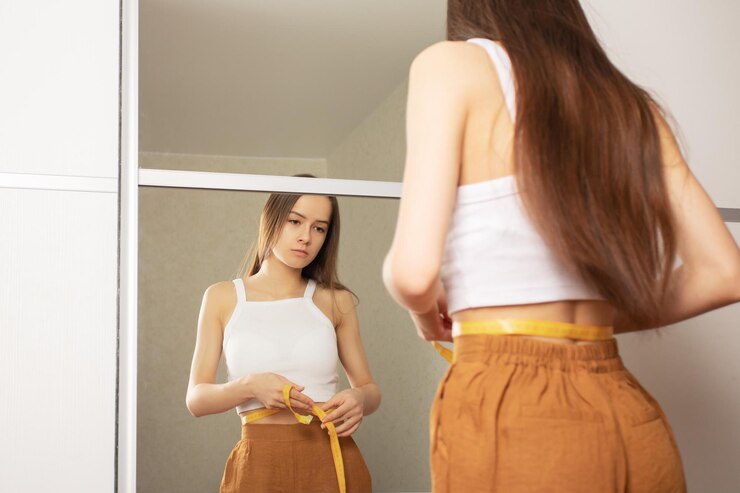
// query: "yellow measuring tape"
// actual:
[[517, 326], [336, 451]]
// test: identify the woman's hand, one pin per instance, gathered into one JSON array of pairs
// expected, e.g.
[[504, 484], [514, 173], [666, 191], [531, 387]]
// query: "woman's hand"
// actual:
[[350, 406], [435, 324], [268, 389]]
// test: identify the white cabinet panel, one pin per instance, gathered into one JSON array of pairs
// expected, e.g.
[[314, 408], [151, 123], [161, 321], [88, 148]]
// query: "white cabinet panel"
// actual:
[[59, 70], [693, 370], [58, 258], [686, 52]]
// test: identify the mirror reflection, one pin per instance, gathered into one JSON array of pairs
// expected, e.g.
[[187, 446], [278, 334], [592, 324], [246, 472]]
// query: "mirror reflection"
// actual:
[[191, 239], [243, 87], [281, 89]]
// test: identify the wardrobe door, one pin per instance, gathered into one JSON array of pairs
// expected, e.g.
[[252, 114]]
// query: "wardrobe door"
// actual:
[[59, 148], [58, 258], [59, 71]]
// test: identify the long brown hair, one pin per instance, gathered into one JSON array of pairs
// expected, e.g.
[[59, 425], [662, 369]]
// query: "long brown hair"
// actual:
[[587, 151], [323, 269]]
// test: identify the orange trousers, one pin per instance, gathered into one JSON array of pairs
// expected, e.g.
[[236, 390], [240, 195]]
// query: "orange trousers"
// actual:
[[277, 458], [517, 415]]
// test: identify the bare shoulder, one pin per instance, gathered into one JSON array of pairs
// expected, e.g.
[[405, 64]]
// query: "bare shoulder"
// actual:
[[454, 59], [449, 54], [334, 303], [455, 71], [219, 299], [670, 149], [345, 300], [220, 292]]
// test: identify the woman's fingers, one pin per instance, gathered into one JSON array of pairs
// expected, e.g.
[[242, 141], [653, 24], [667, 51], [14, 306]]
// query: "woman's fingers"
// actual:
[[344, 426], [298, 400], [303, 399], [301, 405], [337, 414], [275, 404], [341, 416], [335, 402], [350, 431], [349, 426]]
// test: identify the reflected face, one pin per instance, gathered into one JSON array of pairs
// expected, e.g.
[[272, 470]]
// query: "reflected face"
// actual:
[[304, 232]]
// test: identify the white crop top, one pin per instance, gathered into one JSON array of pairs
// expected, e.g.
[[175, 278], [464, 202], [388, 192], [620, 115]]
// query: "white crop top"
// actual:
[[291, 337], [493, 254]]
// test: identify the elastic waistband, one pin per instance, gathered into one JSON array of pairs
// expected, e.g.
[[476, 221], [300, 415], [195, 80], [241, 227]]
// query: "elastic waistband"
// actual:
[[284, 433], [600, 356]]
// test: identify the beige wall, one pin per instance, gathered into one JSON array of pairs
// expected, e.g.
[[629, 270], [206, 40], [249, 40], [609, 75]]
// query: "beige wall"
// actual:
[[375, 150]]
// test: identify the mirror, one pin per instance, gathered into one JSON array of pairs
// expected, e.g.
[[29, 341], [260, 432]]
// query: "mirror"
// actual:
[[243, 87], [190, 239], [273, 88], [280, 88]]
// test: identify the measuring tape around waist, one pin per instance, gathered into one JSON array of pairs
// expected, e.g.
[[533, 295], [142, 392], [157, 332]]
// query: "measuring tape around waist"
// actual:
[[336, 450], [516, 326]]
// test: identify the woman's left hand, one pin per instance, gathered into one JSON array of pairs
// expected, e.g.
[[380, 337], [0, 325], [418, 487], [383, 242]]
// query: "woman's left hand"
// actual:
[[347, 416]]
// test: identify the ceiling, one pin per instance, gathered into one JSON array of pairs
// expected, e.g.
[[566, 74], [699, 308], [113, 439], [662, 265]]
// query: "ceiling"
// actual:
[[280, 78]]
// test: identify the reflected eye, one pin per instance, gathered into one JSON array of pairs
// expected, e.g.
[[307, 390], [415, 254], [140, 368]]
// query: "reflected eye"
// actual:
[[294, 221], [320, 229]]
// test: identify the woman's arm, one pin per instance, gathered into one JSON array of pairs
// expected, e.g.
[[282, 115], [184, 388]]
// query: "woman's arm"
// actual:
[[205, 397], [438, 98], [709, 276], [364, 396]]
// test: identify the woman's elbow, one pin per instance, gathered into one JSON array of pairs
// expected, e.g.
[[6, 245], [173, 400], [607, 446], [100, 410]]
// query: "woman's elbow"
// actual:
[[409, 279], [193, 412], [192, 405], [725, 280]]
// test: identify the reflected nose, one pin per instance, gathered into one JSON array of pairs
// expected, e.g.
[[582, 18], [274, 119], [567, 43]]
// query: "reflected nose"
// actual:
[[305, 236]]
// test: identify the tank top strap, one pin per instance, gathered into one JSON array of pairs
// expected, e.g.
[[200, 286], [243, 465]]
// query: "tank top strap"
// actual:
[[310, 288], [502, 63], [241, 295]]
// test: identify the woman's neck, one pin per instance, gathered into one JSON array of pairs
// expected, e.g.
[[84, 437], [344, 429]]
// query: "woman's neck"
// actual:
[[276, 273]]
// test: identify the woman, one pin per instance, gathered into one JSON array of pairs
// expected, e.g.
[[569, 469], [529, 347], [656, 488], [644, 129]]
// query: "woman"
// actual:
[[282, 328], [544, 202]]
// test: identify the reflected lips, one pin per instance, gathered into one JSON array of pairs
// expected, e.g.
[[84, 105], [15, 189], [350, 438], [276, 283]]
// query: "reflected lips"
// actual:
[[300, 253]]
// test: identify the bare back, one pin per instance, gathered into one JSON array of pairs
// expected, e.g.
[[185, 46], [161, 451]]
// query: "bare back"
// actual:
[[487, 155]]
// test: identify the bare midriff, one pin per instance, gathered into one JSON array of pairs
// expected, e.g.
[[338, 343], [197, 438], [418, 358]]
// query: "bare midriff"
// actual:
[[582, 312], [284, 417]]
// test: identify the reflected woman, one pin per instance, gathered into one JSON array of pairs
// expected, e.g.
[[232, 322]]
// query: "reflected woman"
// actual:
[[282, 328], [544, 203]]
